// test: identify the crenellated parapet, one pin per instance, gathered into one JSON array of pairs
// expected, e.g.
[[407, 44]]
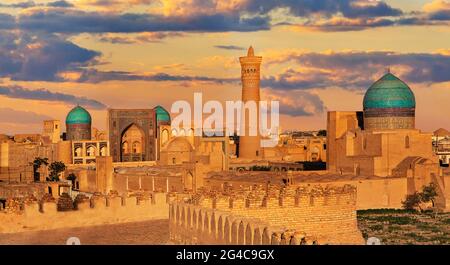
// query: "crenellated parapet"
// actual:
[[97, 210], [276, 196]]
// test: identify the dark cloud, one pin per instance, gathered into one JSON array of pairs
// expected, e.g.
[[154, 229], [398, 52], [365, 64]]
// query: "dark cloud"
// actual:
[[349, 25], [26, 4], [7, 22], [95, 76], [443, 15], [61, 3], [252, 15], [77, 21], [8, 115], [29, 4], [358, 70], [46, 95], [230, 47], [306, 8], [146, 37], [40, 57]]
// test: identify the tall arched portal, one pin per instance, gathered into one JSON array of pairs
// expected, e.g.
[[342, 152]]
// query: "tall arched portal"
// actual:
[[133, 144]]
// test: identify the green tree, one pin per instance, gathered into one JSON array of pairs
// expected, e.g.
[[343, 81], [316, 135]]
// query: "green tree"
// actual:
[[429, 193], [55, 169], [412, 201], [37, 163], [322, 133], [72, 177]]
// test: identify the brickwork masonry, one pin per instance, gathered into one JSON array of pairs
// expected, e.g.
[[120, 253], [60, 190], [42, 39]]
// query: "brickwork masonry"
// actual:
[[97, 211], [269, 215]]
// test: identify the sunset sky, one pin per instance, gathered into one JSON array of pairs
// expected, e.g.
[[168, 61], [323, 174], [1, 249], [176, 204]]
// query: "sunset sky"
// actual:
[[318, 55]]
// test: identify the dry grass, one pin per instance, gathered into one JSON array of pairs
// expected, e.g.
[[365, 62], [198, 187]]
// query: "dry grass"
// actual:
[[397, 227]]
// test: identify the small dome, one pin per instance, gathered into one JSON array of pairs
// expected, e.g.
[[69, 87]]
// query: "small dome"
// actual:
[[78, 115], [389, 92], [162, 114]]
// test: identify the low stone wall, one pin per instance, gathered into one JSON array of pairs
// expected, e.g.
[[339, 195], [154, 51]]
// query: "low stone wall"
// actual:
[[98, 211], [326, 214]]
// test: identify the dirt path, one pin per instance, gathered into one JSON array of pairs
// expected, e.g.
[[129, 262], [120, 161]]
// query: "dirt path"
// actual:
[[154, 232]]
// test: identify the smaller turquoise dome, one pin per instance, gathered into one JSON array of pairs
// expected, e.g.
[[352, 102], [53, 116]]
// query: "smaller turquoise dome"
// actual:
[[389, 92], [162, 114], [78, 115]]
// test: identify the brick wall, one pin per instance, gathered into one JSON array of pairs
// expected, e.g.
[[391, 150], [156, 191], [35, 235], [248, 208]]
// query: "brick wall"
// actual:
[[316, 212], [97, 211]]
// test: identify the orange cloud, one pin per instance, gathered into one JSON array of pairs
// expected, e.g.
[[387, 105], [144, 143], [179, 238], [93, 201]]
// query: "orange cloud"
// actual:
[[189, 7], [436, 5]]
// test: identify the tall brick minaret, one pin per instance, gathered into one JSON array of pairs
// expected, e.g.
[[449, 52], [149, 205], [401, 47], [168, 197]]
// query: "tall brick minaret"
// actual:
[[250, 146]]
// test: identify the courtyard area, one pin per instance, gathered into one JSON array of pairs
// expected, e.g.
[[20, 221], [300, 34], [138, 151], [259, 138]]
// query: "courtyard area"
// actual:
[[155, 232]]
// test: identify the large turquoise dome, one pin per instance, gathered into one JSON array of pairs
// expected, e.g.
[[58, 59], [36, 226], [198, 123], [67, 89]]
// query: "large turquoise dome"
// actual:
[[389, 104], [389, 92], [162, 114], [78, 115]]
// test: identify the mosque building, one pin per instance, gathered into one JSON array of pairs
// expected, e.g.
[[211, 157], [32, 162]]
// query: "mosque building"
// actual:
[[78, 124], [382, 139], [389, 104]]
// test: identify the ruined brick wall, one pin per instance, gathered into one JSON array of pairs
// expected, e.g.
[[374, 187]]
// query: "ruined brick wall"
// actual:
[[96, 211], [315, 212]]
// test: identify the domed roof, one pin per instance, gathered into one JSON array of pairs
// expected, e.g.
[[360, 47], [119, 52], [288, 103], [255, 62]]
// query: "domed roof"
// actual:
[[78, 115], [441, 132], [162, 114], [389, 92]]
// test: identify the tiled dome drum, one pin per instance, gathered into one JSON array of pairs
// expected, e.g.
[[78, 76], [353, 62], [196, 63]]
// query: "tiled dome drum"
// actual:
[[389, 104], [78, 124], [162, 115]]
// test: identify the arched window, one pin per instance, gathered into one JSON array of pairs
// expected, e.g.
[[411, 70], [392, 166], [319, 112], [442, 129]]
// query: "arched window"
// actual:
[[103, 151], [90, 151], [125, 147], [164, 136], [407, 144], [78, 152], [136, 147]]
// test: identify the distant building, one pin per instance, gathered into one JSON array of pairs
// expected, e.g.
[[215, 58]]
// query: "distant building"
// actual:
[[52, 130], [18, 153], [382, 141], [132, 134], [78, 124], [250, 145], [85, 152], [441, 146]]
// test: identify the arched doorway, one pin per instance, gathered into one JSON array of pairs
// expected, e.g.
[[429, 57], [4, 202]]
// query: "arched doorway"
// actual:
[[132, 144]]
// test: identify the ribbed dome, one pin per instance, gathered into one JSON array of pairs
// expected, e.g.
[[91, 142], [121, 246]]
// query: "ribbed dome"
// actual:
[[389, 92], [78, 115], [162, 114]]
